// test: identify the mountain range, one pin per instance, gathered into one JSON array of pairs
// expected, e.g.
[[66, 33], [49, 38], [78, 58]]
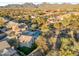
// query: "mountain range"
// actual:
[[42, 5]]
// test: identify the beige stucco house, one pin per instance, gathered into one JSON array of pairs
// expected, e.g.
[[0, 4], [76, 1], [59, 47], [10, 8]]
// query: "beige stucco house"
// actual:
[[26, 40]]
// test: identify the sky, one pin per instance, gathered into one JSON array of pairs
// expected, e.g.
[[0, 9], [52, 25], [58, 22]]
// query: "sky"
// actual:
[[5, 2]]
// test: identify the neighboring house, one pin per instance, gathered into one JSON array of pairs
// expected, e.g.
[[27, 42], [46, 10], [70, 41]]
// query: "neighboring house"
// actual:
[[13, 26], [6, 50], [10, 34], [26, 40], [10, 24], [14, 29]]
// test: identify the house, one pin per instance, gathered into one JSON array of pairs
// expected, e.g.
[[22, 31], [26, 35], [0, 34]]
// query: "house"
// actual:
[[6, 50], [11, 34], [10, 24], [13, 28], [26, 40]]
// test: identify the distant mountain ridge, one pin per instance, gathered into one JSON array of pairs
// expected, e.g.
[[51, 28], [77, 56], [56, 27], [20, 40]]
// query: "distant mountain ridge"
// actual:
[[19, 5], [42, 5]]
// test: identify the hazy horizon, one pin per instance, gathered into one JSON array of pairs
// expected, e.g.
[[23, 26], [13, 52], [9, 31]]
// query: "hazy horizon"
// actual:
[[6, 2]]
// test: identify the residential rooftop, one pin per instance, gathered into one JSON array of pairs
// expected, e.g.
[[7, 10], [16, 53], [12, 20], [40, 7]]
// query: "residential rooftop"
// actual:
[[25, 38]]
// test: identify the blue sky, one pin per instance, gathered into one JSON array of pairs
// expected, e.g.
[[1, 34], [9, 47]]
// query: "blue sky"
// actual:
[[5, 2]]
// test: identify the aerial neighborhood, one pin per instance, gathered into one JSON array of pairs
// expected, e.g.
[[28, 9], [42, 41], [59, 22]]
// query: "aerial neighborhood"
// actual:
[[16, 34], [36, 30]]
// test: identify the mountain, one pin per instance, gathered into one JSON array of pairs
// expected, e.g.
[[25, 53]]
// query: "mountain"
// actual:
[[43, 5], [57, 6], [12, 5], [29, 5], [20, 5]]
